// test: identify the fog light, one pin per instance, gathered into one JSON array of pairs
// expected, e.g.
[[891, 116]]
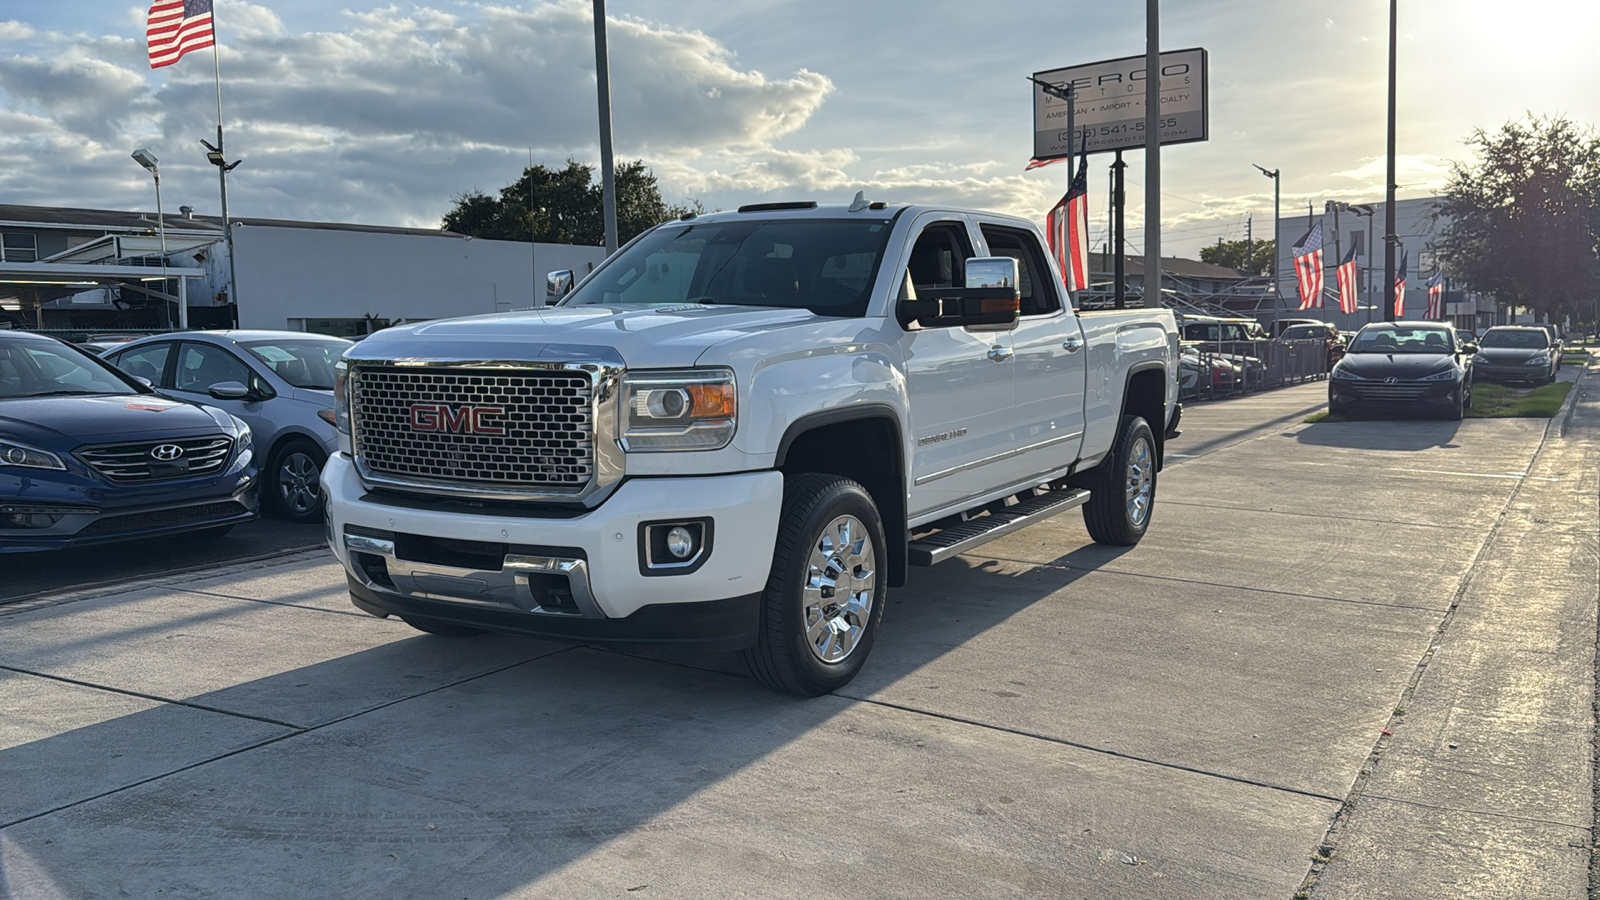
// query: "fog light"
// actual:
[[680, 543]]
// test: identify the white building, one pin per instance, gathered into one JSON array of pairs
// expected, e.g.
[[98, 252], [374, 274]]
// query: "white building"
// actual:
[[104, 270], [1416, 228]]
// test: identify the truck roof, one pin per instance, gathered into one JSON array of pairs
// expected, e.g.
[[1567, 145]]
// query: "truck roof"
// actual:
[[861, 208]]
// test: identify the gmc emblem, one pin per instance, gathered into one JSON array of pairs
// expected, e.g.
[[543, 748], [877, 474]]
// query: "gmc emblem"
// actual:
[[461, 420]]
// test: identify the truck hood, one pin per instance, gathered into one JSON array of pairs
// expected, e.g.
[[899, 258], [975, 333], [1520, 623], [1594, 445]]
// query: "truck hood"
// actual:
[[645, 338]]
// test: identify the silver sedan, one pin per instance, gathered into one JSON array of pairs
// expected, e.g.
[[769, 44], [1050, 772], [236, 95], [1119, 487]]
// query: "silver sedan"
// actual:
[[279, 382]]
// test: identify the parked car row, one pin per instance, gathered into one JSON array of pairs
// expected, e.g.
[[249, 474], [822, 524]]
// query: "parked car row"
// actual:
[[165, 434]]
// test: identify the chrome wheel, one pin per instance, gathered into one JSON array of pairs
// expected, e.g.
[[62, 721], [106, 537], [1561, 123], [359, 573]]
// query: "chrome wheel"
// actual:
[[298, 475], [1140, 481], [840, 587]]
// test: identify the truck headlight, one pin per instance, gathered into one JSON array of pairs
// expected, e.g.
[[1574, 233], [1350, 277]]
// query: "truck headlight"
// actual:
[[26, 457], [686, 409], [341, 397]]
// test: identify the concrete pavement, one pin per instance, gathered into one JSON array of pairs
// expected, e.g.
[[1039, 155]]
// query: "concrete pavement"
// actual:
[[1200, 716]]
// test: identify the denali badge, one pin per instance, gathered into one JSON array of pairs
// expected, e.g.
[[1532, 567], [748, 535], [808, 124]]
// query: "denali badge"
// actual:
[[941, 436], [460, 420]]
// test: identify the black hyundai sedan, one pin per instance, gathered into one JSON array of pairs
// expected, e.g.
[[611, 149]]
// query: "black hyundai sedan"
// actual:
[[1403, 367], [90, 455]]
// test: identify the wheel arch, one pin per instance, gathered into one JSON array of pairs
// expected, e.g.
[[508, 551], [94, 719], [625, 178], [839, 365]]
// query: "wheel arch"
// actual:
[[810, 444], [1145, 395]]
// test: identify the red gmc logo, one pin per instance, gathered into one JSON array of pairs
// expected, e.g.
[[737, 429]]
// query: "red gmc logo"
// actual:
[[462, 420]]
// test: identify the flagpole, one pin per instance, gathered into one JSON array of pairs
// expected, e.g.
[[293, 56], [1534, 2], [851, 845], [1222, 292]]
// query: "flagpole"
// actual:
[[219, 158]]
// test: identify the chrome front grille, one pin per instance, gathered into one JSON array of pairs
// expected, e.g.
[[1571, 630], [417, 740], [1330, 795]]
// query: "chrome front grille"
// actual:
[[138, 461], [522, 430]]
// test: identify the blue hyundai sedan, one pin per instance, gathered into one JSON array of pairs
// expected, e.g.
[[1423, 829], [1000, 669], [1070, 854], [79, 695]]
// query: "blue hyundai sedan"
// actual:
[[90, 455]]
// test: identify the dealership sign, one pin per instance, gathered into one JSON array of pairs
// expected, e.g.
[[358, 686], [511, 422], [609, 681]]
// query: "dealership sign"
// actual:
[[1110, 104]]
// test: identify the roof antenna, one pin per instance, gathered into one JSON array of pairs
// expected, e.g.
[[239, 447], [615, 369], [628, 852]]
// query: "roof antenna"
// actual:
[[860, 202]]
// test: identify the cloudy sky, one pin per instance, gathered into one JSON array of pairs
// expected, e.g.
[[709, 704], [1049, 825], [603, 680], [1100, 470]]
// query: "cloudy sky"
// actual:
[[383, 113]]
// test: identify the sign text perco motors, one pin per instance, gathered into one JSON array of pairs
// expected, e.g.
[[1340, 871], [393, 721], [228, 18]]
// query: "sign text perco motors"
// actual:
[[1110, 107]]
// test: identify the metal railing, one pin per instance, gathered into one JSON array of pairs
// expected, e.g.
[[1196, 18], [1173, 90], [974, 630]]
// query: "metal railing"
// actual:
[[1212, 370]]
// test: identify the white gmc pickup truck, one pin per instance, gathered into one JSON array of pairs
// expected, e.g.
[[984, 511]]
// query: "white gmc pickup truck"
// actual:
[[740, 431]]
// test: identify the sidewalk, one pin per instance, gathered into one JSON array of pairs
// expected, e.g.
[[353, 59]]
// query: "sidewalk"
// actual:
[[1485, 788]]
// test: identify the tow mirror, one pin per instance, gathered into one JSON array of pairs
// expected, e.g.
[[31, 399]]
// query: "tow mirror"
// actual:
[[558, 283], [990, 298]]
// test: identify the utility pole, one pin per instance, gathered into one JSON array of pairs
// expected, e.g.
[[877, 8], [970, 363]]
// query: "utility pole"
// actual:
[[1116, 227], [1276, 297], [1152, 153], [1389, 236], [608, 175]]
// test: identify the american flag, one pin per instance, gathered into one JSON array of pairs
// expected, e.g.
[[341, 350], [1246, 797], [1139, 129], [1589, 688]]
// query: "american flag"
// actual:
[[1041, 163], [1400, 288], [1346, 276], [1308, 267], [1436, 295], [1067, 230], [175, 27]]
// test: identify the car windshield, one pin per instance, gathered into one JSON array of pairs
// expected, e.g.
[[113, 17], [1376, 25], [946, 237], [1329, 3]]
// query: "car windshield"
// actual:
[[303, 362], [824, 265], [45, 368], [1521, 340], [1304, 333], [1403, 339]]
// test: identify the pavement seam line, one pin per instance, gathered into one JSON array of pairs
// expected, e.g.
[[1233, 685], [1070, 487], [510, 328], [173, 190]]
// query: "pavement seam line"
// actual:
[[1088, 747], [1231, 587], [1341, 818], [1288, 512], [298, 731], [336, 612], [1479, 812], [143, 696], [95, 590]]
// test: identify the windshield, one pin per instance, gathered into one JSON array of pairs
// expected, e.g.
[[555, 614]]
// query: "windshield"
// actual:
[[1304, 333], [1521, 340], [824, 265], [303, 362], [45, 368], [1403, 339]]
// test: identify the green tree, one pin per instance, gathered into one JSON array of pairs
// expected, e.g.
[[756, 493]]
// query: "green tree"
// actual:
[[1249, 257], [1522, 223], [564, 206]]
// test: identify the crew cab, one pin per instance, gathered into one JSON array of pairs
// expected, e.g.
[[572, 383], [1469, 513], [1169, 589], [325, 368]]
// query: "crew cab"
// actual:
[[740, 431]]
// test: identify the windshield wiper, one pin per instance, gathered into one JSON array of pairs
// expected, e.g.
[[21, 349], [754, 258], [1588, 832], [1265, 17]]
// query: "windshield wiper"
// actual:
[[79, 391]]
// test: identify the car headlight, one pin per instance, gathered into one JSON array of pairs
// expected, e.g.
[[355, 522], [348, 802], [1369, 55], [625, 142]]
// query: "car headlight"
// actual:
[[686, 409], [1449, 374], [247, 438], [1345, 374], [23, 456], [1538, 359]]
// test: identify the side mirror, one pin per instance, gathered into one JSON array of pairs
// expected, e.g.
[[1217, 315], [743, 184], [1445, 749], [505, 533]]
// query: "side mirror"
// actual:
[[990, 298], [229, 390], [558, 283], [1469, 347], [145, 381]]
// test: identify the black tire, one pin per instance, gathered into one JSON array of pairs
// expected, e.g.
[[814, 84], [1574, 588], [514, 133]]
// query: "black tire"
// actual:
[[1459, 410], [291, 487], [785, 657], [1111, 515], [443, 629]]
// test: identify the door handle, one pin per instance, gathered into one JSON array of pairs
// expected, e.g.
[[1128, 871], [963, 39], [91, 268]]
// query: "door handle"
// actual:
[[999, 353], [1072, 344]]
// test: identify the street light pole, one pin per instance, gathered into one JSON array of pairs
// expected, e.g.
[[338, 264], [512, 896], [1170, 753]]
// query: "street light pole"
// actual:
[[1389, 236], [1273, 174], [148, 160]]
